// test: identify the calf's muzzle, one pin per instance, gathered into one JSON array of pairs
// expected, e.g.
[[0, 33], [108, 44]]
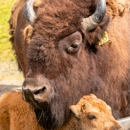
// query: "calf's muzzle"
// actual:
[[116, 127]]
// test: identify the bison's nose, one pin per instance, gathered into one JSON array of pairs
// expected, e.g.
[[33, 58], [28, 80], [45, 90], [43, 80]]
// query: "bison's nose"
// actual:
[[38, 97], [28, 94], [38, 90], [34, 97]]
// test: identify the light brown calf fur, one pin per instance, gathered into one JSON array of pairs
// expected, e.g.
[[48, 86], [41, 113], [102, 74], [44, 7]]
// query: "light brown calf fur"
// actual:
[[16, 114], [90, 113], [116, 7]]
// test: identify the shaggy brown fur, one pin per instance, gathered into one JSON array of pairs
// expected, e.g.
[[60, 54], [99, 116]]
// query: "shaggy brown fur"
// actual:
[[16, 114], [90, 113], [114, 8], [102, 70]]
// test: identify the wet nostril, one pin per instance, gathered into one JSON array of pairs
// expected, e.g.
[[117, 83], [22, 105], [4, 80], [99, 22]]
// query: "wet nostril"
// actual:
[[39, 90]]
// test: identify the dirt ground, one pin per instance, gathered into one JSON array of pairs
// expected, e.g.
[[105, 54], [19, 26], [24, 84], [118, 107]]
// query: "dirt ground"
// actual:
[[10, 77]]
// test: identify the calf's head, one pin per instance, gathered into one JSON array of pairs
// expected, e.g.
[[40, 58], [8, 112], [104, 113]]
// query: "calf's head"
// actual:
[[94, 114]]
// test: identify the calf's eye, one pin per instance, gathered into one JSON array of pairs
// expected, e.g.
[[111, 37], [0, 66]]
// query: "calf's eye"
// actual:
[[91, 117]]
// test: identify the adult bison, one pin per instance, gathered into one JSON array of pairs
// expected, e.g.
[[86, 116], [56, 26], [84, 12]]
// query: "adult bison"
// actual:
[[69, 48]]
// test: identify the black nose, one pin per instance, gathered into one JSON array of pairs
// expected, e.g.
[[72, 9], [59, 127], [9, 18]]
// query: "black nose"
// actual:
[[39, 90], [29, 94], [33, 96]]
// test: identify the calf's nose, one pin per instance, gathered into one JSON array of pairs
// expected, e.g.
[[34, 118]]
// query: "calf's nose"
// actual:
[[116, 127]]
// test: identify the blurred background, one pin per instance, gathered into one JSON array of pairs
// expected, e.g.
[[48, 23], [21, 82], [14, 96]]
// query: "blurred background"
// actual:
[[9, 73]]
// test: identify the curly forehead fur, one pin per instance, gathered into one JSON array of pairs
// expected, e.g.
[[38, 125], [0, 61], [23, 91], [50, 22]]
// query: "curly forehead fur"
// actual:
[[92, 100], [59, 18]]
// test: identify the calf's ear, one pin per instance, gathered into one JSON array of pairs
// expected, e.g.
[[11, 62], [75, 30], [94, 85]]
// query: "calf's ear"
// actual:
[[76, 110]]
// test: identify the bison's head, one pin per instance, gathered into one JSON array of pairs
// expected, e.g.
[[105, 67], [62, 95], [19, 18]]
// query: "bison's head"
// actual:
[[59, 66]]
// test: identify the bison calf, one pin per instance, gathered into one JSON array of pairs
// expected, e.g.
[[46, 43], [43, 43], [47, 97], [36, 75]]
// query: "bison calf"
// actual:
[[89, 113]]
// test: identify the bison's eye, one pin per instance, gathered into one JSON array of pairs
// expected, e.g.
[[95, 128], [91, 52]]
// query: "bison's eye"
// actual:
[[91, 117], [71, 44], [73, 48]]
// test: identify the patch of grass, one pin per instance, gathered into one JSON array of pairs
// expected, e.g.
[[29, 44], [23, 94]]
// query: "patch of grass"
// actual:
[[8, 66], [6, 52]]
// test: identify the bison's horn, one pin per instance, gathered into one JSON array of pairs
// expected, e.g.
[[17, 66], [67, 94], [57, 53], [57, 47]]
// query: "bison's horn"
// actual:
[[94, 20], [29, 12]]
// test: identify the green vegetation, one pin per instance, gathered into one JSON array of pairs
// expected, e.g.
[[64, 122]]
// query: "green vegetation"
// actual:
[[8, 66], [6, 52]]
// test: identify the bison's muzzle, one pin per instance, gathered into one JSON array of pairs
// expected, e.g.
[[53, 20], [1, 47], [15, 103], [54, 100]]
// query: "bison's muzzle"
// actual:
[[32, 98], [37, 94]]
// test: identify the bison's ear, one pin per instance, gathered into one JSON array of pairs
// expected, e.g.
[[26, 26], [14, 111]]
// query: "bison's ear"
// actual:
[[76, 110]]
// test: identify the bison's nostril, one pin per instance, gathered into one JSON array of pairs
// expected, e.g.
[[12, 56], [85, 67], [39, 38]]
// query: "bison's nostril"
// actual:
[[39, 90]]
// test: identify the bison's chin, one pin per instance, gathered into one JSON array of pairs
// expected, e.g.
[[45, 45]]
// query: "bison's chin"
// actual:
[[45, 119]]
